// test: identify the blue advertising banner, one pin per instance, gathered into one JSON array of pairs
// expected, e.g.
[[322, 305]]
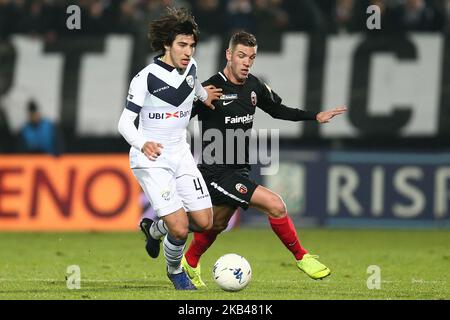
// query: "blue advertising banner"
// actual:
[[371, 189]]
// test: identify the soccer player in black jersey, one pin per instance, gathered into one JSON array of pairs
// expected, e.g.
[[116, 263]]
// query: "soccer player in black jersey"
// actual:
[[228, 183]]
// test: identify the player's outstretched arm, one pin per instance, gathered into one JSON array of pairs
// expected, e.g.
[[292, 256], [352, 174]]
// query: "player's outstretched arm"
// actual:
[[271, 103], [326, 116]]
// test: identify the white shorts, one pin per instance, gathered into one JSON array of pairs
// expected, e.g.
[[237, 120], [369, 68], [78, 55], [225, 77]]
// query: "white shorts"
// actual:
[[176, 184]]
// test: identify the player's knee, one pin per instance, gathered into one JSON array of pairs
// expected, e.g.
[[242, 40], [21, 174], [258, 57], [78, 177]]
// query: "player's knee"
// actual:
[[219, 226], [209, 225], [179, 233], [206, 224], [277, 207]]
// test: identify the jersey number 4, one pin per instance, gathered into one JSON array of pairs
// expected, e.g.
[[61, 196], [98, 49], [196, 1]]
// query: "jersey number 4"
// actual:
[[198, 185]]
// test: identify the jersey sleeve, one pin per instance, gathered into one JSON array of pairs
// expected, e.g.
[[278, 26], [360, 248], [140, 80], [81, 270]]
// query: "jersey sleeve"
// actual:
[[137, 93], [135, 100], [200, 92], [128, 130], [272, 104], [198, 106]]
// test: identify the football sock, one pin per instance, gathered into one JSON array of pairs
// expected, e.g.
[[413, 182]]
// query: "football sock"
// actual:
[[285, 230], [173, 251], [199, 244], [158, 229]]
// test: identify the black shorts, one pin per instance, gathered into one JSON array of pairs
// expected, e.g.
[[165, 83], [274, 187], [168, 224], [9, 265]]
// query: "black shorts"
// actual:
[[228, 186]]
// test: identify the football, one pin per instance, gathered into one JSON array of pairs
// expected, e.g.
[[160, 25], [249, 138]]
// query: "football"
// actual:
[[232, 272]]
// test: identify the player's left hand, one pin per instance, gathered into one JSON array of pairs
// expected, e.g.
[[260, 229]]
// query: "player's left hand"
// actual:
[[213, 94], [325, 116]]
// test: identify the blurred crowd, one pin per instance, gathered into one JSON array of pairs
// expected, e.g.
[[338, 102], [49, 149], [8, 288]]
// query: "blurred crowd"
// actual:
[[47, 18], [267, 19]]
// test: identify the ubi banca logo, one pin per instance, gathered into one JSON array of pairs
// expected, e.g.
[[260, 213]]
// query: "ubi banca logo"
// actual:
[[168, 115]]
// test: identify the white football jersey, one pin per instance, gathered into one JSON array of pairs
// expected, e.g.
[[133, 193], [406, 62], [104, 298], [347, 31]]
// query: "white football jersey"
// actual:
[[163, 99]]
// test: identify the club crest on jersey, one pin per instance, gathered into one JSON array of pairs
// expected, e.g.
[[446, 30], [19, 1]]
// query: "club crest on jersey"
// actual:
[[166, 195], [190, 81], [253, 98], [241, 188]]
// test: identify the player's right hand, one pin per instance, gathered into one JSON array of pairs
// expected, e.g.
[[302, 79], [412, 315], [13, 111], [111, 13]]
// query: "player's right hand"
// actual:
[[152, 150], [326, 116], [213, 94]]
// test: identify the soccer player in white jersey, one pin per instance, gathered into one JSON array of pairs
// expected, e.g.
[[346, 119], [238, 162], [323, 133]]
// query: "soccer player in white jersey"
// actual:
[[162, 95]]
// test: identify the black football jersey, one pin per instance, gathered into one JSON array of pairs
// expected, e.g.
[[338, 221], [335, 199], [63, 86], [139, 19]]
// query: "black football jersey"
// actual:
[[233, 117]]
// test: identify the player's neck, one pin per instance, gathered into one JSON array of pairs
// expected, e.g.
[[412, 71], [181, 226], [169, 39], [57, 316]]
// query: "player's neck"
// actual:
[[227, 72], [167, 60]]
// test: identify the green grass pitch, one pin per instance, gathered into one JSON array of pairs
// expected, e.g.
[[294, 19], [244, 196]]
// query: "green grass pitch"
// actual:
[[414, 264]]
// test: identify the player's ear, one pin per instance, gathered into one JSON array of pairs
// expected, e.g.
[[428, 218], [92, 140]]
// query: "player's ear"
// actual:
[[167, 46], [228, 54]]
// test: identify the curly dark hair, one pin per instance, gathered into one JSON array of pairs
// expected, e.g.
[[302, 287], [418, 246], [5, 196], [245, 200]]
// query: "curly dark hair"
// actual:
[[242, 37], [175, 21]]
